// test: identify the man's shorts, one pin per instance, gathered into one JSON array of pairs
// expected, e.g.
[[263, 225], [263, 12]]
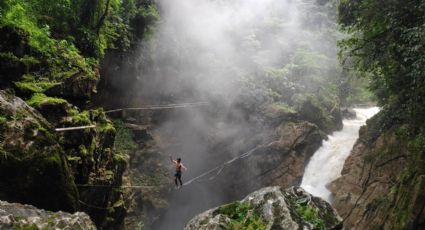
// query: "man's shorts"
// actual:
[[178, 174]]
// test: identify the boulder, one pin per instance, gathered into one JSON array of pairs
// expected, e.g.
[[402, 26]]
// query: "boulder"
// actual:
[[19, 216], [33, 169], [76, 88], [270, 208]]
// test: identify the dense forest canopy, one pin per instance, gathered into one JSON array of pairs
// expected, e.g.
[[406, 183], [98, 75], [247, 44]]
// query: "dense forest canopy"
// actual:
[[387, 40], [55, 40]]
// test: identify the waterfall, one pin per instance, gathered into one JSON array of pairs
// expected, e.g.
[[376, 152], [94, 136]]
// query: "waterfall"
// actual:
[[327, 162]]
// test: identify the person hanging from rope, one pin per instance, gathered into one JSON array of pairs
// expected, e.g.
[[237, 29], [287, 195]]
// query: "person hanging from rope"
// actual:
[[178, 175]]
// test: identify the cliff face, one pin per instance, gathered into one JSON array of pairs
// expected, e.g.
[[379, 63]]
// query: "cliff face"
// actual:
[[383, 181], [40, 166], [280, 162], [33, 168], [270, 208]]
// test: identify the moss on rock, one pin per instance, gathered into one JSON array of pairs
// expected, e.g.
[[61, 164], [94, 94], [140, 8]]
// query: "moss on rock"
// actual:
[[33, 169]]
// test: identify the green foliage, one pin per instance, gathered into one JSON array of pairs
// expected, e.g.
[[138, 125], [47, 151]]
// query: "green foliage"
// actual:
[[26, 227], [39, 99], [124, 139], [242, 216], [48, 30], [283, 108], [388, 42], [354, 89], [34, 86], [3, 120], [310, 215], [82, 118]]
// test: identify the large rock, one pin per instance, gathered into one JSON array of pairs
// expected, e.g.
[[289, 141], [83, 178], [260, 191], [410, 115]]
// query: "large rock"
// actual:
[[280, 162], [76, 88], [270, 208], [94, 161], [19, 216], [323, 112], [383, 180], [33, 169]]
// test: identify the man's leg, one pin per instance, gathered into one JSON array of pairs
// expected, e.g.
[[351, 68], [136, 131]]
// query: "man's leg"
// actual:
[[175, 180], [180, 179]]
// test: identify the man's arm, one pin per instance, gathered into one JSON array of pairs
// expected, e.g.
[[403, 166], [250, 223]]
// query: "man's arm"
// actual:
[[183, 166], [171, 159]]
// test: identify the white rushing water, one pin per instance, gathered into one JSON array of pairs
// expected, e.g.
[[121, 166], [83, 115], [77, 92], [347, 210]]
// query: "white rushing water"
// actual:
[[327, 162]]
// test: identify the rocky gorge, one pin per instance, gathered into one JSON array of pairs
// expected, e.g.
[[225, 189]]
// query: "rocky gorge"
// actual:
[[97, 96]]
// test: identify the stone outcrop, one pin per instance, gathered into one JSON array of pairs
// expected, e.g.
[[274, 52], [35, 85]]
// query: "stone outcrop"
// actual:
[[326, 115], [280, 162], [33, 168], [383, 180], [13, 46], [41, 167], [97, 167], [270, 208], [145, 167], [19, 216], [78, 87]]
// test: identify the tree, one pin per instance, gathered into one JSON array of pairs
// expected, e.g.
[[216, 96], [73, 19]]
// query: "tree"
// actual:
[[387, 39]]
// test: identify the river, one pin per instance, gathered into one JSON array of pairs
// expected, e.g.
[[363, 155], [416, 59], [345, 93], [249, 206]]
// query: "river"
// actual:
[[327, 162]]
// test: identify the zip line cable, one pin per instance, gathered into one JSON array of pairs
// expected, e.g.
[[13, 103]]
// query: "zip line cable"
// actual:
[[156, 107], [195, 179], [148, 107], [218, 168]]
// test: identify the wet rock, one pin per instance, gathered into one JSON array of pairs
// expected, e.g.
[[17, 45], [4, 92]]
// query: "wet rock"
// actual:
[[383, 181], [53, 110], [33, 169], [19, 216], [280, 162], [348, 113], [93, 162], [271, 208]]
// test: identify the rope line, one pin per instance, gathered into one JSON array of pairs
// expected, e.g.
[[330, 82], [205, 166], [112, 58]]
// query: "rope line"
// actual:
[[156, 107], [195, 179], [93, 206], [122, 186], [221, 166], [75, 128], [218, 168], [148, 107]]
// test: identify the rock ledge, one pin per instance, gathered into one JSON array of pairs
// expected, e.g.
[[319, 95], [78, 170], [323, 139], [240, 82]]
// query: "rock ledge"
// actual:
[[20, 216], [270, 208]]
